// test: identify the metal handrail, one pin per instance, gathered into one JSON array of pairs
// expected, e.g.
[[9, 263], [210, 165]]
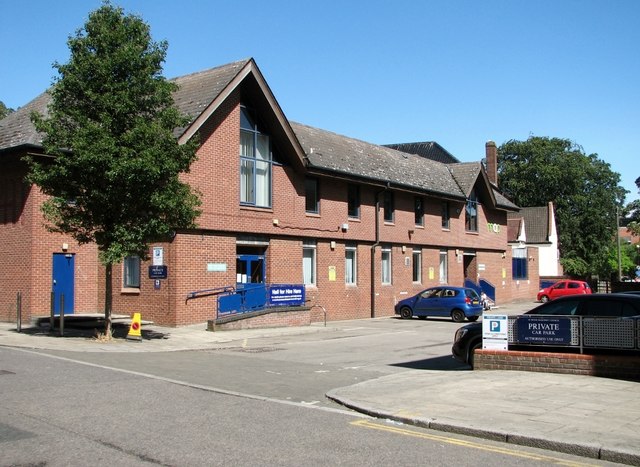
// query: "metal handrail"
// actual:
[[209, 292]]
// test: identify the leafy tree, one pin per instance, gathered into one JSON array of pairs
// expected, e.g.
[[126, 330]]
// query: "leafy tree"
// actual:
[[4, 110], [115, 176], [585, 191], [632, 213]]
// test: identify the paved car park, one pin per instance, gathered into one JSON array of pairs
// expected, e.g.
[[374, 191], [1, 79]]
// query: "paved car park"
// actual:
[[560, 412]]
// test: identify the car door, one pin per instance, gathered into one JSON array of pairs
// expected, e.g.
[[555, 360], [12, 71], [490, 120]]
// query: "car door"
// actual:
[[558, 290], [429, 303], [447, 301]]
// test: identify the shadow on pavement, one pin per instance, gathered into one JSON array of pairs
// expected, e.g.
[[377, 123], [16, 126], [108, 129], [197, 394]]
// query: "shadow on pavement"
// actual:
[[443, 363]]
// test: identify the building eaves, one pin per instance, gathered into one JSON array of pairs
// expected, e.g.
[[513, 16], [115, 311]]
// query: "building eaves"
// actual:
[[342, 155]]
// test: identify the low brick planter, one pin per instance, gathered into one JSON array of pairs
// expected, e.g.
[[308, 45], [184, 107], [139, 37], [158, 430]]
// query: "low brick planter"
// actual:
[[625, 367], [269, 318]]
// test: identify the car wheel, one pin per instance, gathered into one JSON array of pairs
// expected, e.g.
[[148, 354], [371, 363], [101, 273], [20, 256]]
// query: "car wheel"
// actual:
[[457, 316], [544, 299], [473, 318], [471, 358], [406, 313]]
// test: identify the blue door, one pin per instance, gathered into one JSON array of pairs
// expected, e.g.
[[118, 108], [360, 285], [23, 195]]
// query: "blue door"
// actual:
[[250, 270], [63, 282]]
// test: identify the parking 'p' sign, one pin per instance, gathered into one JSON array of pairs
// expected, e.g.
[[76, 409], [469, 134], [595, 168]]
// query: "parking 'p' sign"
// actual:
[[495, 332]]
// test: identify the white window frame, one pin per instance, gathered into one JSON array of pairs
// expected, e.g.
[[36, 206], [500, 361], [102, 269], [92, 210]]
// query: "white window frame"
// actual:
[[309, 260], [386, 265], [416, 262], [444, 266], [351, 264], [256, 164]]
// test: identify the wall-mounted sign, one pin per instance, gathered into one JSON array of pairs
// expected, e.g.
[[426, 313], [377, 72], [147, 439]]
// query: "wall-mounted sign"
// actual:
[[492, 227], [286, 295], [544, 330], [495, 332], [158, 256], [216, 267], [157, 272], [332, 273]]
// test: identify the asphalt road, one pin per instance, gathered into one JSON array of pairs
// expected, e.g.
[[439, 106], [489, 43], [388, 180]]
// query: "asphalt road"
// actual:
[[249, 402]]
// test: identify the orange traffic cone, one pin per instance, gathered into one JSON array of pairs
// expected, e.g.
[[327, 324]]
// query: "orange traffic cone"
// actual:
[[135, 330]]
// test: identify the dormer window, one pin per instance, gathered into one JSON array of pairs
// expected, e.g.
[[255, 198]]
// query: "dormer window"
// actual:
[[255, 162], [471, 213]]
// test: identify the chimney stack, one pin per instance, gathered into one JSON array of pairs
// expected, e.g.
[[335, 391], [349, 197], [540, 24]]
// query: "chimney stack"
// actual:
[[492, 162]]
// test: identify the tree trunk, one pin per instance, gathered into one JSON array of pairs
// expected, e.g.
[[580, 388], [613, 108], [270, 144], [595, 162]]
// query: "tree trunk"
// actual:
[[108, 299]]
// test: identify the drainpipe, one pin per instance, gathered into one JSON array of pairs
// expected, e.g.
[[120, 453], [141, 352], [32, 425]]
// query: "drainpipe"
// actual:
[[373, 251]]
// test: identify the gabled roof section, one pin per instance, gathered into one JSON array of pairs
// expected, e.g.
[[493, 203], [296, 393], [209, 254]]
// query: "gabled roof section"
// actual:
[[428, 149], [537, 220], [16, 129], [339, 155], [197, 91], [198, 96], [515, 229], [201, 94], [470, 175]]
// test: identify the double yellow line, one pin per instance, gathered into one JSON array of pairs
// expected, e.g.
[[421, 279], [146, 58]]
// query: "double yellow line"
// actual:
[[467, 444]]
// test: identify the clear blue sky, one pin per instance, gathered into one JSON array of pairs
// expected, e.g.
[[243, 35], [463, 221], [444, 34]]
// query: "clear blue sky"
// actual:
[[459, 72]]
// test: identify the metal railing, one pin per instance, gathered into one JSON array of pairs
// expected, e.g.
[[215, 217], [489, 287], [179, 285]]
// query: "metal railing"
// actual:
[[583, 332]]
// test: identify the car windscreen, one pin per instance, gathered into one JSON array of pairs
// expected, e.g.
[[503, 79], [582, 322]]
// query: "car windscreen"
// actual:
[[564, 308]]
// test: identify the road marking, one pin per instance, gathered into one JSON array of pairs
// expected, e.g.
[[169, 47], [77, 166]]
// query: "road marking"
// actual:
[[201, 387], [372, 425]]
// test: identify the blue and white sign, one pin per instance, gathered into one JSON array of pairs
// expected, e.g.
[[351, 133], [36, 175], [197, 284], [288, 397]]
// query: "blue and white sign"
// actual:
[[544, 330], [495, 332], [286, 295]]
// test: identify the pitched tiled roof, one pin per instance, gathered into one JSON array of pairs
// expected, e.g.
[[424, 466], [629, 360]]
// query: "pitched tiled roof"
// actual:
[[16, 128], [536, 221], [336, 153], [195, 92], [326, 151], [429, 149], [514, 225], [466, 174]]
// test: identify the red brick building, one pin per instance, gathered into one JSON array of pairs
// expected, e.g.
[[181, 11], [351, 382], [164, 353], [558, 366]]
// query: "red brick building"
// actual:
[[361, 225]]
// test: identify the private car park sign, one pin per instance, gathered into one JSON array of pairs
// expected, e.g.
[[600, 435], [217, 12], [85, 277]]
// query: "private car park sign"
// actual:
[[544, 330]]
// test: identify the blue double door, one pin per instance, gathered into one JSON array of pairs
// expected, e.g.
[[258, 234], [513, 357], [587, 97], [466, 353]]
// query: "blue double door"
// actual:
[[63, 282], [250, 269]]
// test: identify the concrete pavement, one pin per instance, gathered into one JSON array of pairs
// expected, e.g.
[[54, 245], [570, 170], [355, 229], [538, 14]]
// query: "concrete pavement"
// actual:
[[587, 416]]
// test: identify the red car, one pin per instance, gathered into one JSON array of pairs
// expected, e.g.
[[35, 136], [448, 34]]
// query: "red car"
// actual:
[[562, 289]]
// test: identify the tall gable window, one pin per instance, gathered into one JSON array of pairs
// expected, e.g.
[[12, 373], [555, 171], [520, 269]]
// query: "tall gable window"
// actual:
[[389, 206], [418, 209], [312, 195], [445, 215], [471, 213], [353, 201], [255, 162]]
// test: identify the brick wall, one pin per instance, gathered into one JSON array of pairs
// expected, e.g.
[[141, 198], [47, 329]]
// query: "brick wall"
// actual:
[[215, 175], [609, 366], [266, 320]]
